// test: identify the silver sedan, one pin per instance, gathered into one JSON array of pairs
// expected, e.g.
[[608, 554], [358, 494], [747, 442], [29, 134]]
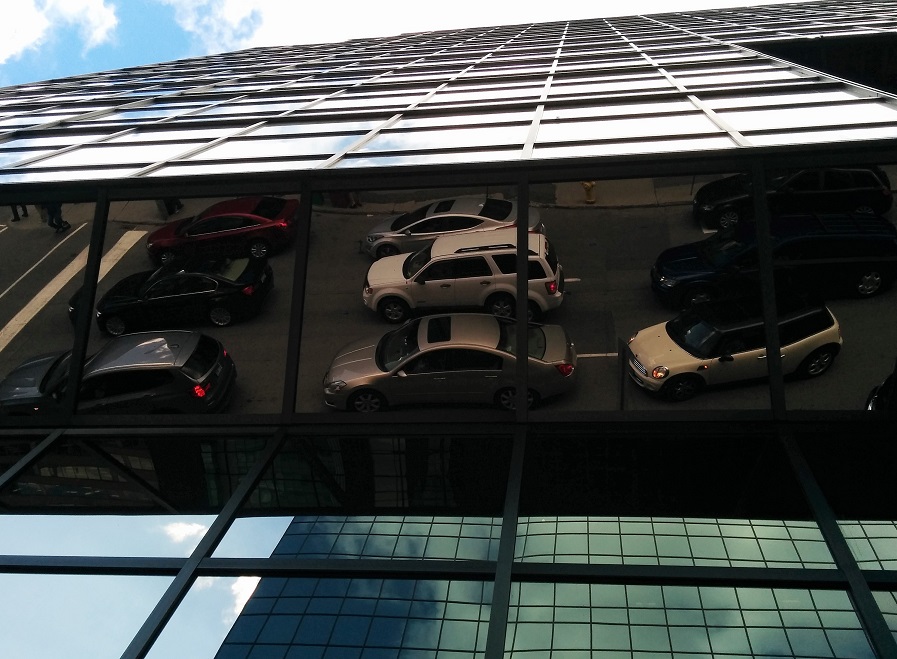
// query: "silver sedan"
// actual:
[[464, 358], [415, 229]]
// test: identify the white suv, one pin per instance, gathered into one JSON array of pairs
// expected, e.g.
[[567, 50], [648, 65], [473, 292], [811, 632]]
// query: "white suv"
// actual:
[[472, 270], [716, 343]]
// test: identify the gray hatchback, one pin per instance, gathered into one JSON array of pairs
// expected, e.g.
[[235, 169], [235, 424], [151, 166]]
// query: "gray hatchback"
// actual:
[[174, 371]]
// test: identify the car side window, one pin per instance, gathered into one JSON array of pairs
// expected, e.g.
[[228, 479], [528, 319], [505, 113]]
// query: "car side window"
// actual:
[[507, 264], [199, 285], [475, 266], [837, 179], [742, 340], [436, 271], [474, 360], [429, 362], [806, 181], [443, 223], [796, 329], [167, 288], [536, 270], [123, 384]]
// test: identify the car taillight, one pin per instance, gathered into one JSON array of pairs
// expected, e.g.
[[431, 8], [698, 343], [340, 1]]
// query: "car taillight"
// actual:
[[565, 369], [200, 390], [551, 287], [248, 290], [283, 224]]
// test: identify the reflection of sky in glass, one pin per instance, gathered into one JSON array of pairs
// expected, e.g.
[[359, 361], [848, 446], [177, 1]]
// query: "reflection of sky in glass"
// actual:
[[256, 108], [653, 146], [718, 80], [615, 110], [680, 621], [48, 140], [599, 87], [315, 127], [113, 154], [168, 135], [662, 541], [804, 117], [452, 120], [8, 158], [54, 616], [24, 176], [379, 103], [778, 99], [390, 140], [431, 158], [229, 167], [817, 136], [690, 58], [34, 119], [486, 94], [248, 148]]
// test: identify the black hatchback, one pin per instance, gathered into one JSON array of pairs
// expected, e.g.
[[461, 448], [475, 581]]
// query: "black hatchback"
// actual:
[[723, 203], [219, 290]]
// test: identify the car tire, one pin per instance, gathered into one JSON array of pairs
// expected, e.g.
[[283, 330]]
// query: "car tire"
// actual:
[[870, 283], [817, 362], [506, 399], [114, 326], [387, 250], [259, 249], [366, 401], [533, 312], [393, 309], [167, 256], [682, 387], [501, 305], [221, 316], [728, 218], [864, 209]]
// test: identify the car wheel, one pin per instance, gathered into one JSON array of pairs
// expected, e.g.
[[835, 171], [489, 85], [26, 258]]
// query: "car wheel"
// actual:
[[817, 362], [869, 284], [114, 325], [167, 256], [728, 218], [387, 250], [366, 401], [259, 249], [506, 399], [697, 295], [863, 209], [682, 387], [221, 316], [393, 309], [501, 305], [533, 312]]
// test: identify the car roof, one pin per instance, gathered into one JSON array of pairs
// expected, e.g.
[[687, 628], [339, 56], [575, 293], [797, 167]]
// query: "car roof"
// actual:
[[471, 329], [144, 350], [483, 241], [747, 310]]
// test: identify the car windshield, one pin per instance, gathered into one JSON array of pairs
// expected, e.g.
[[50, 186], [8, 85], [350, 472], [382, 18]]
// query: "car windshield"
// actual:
[[415, 262], [693, 334], [398, 345], [55, 379], [535, 339], [406, 219], [720, 250]]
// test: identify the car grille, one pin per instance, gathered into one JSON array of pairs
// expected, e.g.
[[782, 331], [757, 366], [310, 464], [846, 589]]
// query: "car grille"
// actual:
[[635, 363]]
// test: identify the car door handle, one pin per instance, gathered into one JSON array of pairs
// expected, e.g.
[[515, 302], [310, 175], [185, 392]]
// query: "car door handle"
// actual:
[[445, 286], [485, 283]]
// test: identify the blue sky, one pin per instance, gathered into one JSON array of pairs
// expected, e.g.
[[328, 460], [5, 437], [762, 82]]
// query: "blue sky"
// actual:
[[48, 39]]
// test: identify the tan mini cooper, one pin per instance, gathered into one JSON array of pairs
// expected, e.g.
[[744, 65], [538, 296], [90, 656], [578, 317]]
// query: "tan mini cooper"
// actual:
[[718, 343]]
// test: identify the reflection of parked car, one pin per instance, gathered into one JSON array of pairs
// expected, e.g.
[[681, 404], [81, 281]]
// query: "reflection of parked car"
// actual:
[[453, 358], [253, 226], [722, 342], [175, 371], [830, 255], [883, 397], [722, 203], [470, 270], [217, 289], [416, 229]]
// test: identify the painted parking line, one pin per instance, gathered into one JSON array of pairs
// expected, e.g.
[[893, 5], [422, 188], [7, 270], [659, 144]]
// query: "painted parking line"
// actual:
[[30, 310], [598, 354]]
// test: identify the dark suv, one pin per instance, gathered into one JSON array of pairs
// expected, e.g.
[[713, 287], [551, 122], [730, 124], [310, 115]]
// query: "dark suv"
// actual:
[[723, 203], [829, 255]]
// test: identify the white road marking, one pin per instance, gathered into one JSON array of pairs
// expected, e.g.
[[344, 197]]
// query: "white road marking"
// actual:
[[598, 354], [30, 310], [58, 245], [572, 279]]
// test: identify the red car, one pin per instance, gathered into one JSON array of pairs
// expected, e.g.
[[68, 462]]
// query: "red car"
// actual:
[[253, 226]]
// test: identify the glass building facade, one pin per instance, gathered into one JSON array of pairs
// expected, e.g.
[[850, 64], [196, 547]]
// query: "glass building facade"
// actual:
[[756, 519]]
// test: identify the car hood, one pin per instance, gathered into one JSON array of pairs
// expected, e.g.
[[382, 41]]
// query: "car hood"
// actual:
[[168, 231], [355, 360], [23, 382], [724, 189], [653, 347], [387, 270], [683, 259], [124, 291]]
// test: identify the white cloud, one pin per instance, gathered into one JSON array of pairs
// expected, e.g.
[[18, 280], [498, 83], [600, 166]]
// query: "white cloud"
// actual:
[[180, 532], [242, 589], [33, 23]]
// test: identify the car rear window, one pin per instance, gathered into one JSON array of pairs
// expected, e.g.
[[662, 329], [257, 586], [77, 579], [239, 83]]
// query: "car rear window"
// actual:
[[203, 358], [232, 269], [497, 209], [796, 329], [270, 207], [535, 339]]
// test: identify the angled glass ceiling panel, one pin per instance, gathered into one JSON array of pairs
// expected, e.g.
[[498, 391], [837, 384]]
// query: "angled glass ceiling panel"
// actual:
[[620, 148], [380, 103], [561, 113], [739, 101], [497, 155], [8, 158], [486, 94], [391, 140], [453, 120], [169, 134], [718, 80], [111, 154], [609, 129], [56, 175], [802, 117], [236, 166], [836, 134], [622, 84], [248, 149]]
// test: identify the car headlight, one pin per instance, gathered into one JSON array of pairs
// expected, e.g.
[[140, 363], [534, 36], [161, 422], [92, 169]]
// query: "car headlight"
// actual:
[[374, 237], [632, 338], [660, 372], [667, 282], [335, 387]]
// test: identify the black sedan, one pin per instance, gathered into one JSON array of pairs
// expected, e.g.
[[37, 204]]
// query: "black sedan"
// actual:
[[220, 290]]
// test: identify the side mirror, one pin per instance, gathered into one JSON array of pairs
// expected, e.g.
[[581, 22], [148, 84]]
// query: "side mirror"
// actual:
[[727, 358], [401, 374]]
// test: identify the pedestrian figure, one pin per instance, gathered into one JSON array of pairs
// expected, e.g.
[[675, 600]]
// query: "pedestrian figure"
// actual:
[[15, 211], [54, 217], [173, 205]]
